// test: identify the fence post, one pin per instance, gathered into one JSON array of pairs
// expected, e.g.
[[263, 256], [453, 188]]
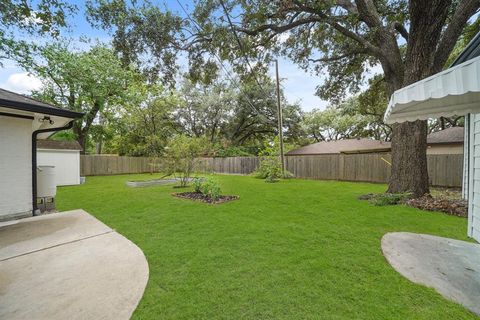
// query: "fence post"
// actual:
[[341, 166]]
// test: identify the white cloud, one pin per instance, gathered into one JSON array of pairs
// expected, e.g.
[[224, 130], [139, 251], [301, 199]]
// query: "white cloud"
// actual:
[[22, 82]]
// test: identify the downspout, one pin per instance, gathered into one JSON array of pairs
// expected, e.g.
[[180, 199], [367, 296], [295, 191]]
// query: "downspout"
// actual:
[[34, 160]]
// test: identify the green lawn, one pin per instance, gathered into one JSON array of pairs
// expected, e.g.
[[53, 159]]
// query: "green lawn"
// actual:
[[297, 249]]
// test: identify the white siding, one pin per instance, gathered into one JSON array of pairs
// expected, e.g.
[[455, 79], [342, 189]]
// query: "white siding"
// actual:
[[15, 167], [474, 177], [466, 155], [66, 162]]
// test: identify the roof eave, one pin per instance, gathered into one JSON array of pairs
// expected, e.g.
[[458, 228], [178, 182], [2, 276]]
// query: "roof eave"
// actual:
[[40, 109]]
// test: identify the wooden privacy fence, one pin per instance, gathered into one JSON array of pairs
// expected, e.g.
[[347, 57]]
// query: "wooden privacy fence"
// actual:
[[231, 165], [99, 165], [443, 170]]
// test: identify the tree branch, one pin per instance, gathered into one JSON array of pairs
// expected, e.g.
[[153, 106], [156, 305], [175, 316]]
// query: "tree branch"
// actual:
[[347, 5], [400, 29], [368, 13], [339, 57], [465, 9], [279, 29]]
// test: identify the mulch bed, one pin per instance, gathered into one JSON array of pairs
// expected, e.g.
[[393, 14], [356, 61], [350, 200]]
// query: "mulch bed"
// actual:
[[452, 206], [198, 196], [455, 207]]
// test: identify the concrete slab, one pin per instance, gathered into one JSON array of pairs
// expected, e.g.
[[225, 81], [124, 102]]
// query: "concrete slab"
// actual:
[[19, 237], [451, 267], [99, 276]]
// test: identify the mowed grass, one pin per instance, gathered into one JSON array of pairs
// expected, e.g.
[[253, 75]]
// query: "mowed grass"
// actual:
[[297, 249]]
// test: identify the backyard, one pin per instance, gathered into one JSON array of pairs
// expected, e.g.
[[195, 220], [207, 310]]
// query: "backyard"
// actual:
[[297, 249]]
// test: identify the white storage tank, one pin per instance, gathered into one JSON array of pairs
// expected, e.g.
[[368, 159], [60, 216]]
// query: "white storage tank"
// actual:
[[46, 186]]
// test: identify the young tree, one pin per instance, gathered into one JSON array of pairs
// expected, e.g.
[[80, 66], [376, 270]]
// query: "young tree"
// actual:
[[410, 40], [181, 156]]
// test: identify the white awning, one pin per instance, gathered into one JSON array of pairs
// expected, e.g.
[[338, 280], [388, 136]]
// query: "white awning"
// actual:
[[455, 91]]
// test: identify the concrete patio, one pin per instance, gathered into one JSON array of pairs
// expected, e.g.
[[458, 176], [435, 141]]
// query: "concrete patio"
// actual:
[[451, 267], [68, 265]]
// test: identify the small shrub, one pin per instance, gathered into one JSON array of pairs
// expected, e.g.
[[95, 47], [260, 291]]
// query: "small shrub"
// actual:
[[270, 167], [210, 188], [287, 175], [197, 184], [388, 199]]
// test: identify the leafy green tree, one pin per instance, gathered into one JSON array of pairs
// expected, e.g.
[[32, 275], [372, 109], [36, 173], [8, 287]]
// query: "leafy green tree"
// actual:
[[147, 120], [255, 118], [334, 123], [371, 104], [181, 156], [139, 30], [88, 82], [410, 40], [204, 110], [20, 19]]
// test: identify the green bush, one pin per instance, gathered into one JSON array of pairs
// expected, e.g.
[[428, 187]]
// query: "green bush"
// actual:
[[388, 199], [270, 167], [207, 186], [197, 184]]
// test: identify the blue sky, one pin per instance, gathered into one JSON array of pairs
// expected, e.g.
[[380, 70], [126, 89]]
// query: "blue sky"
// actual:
[[299, 86]]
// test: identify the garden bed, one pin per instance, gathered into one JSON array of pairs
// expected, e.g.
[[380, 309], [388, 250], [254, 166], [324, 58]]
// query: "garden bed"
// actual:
[[448, 201], [455, 207], [198, 196]]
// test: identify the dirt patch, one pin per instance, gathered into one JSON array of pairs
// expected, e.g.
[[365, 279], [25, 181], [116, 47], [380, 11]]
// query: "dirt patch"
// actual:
[[198, 196], [456, 207]]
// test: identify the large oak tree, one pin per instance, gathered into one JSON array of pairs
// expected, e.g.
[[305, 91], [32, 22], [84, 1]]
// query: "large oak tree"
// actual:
[[410, 40]]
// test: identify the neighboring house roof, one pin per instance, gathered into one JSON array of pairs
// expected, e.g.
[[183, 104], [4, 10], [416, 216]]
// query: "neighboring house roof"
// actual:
[[339, 146], [449, 135], [58, 145], [17, 101], [446, 136]]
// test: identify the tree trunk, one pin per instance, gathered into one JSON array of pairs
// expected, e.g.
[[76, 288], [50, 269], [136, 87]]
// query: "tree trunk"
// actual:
[[409, 139], [409, 159], [81, 139]]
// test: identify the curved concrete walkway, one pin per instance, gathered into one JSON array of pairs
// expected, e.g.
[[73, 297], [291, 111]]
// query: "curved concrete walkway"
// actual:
[[68, 265], [451, 267]]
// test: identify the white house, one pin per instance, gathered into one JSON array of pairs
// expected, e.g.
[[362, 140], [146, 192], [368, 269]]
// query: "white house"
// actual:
[[64, 156], [454, 91], [22, 121]]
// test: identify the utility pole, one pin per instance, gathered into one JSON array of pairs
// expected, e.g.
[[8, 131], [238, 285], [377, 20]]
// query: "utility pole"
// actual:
[[280, 120]]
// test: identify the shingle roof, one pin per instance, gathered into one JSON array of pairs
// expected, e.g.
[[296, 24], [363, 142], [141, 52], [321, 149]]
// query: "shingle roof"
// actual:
[[339, 146], [58, 145], [449, 135], [446, 136], [12, 100]]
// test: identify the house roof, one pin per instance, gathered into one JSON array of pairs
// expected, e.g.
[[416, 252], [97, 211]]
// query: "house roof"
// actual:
[[446, 136], [339, 146], [449, 135], [58, 145], [472, 50], [12, 100]]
